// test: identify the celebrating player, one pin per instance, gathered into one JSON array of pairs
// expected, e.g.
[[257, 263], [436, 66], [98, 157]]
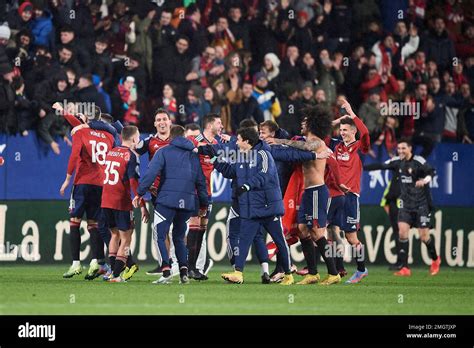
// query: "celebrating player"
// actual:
[[89, 148], [196, 243], [350, 165], [312, 216], [151, 145], [121, 175], [415, 204]]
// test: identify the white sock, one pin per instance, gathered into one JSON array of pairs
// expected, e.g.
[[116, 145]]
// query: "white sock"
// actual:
[[76, 263], [264, 267], [93, 261]]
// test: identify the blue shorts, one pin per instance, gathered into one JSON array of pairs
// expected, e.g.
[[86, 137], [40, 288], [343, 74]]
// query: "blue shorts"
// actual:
[[209, 208], [336, 210], [85, 199], [121, 219], [313, 207], [351, 220]]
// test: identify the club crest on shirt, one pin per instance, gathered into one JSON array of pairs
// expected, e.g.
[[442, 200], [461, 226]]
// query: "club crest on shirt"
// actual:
[[126, 156], [410, 170]]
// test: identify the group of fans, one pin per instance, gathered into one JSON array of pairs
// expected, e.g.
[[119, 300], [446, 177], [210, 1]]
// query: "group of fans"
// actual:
[[323, 190]]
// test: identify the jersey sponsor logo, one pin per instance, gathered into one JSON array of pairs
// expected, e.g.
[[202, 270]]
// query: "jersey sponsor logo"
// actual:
[[343, 157], [406, 179]]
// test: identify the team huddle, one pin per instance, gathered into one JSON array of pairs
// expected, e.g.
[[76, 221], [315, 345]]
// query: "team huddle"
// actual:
[[305, 189]]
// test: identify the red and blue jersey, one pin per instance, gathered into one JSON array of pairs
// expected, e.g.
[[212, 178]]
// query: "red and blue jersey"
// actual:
[[120, 176], [348, 158], [89, 149]]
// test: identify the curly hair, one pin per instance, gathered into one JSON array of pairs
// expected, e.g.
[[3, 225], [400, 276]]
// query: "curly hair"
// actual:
[[318, 120]]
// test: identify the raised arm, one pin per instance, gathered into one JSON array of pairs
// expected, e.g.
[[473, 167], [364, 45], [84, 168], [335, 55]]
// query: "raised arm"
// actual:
[[309, 145], [364, 132], [287, 154]]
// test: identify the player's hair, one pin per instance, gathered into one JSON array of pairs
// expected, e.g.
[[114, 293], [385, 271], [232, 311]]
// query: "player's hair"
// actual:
[[128, 132], [318, 120], [271, 125], [406, 141], [192, 127], [176, 131], [247, 123], [209, 118], [349, 121], [249, 134], [162, 111]]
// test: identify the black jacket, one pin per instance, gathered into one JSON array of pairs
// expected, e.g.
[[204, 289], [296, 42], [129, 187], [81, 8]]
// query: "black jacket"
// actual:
[[245, 109], [91, 95]]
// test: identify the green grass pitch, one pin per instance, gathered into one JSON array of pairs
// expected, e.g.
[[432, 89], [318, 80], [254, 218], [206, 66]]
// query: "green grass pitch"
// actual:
[[41, 290]]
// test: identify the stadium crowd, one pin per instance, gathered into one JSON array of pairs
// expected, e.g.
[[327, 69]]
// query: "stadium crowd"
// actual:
[[259, 59]]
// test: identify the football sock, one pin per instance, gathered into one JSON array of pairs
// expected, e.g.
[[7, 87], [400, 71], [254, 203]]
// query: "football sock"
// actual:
[[322, 244], [309, 254], [119, 265], [359, 255], [403, 252], [192, 247], [130, 261], [112, 257], [340, 256], [317, 256], [430, 244], [97, 244], [75, 236], [264, 267]]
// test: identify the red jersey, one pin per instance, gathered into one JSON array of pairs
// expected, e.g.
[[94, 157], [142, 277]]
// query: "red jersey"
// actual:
[[151, 145], [121, 174], [206, 164], [348, 158], [89, 148]]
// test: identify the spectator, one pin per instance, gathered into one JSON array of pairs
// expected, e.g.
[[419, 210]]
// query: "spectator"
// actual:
[[330, 75], [239, 27], [20, 19], [308, 69], [67, 37], [66, 59], [206, 68], [307, 95], [143, 45], [406, 41], [195, 106], [101, 62], [271, 64], [42, 25], [291, 106], [131, 66], [221, 35], [176, 68], [107, 106], [24, 108], [438, 46], [369, 111], [244, 106], [192, 28], [290, 67], [320, 97], [169, 103], [266, 98], [301, 35], [384, 136], [50, 124], [466, 122], [211, 97], [7, 94], [125, 101], [464, 43]]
